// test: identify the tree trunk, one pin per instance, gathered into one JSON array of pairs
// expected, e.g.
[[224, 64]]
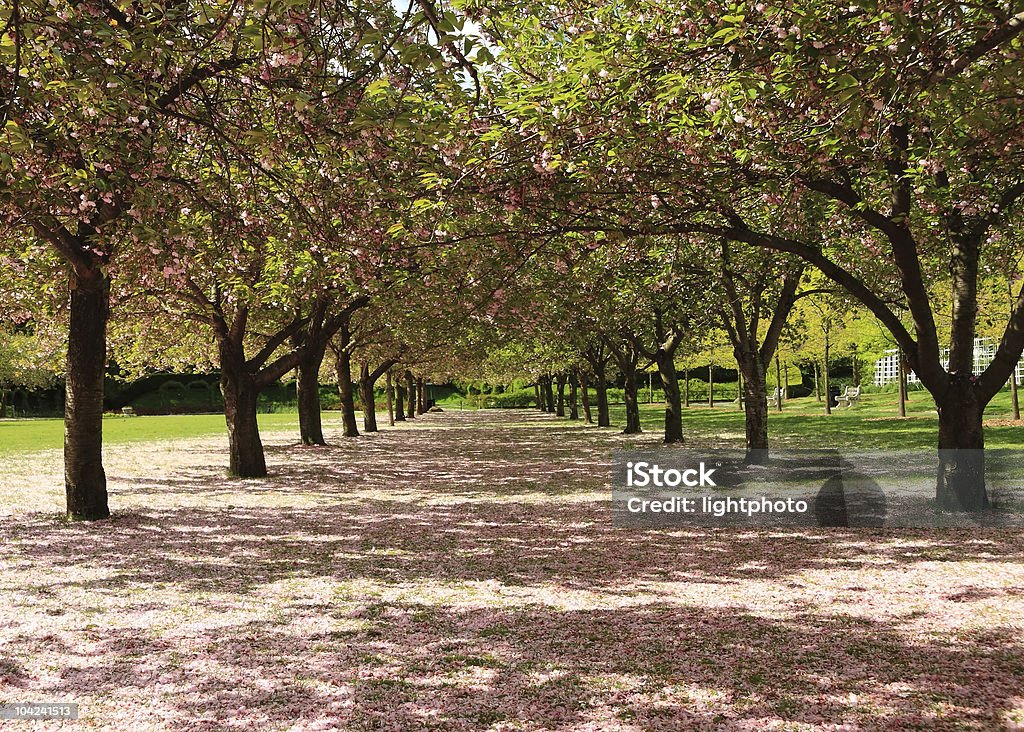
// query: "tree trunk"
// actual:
[[817, 385], [389, 388], [549, 395], [421, 396], [601, 385], [560, 401], [755, 408], [631, 397], [1014, 402], [686, 387], [343, 367], [828, 382], [585, 396], [85, 482], [778, 385], [739, 389], [367, 399], [901, 382], [711, 386], [574, 411], [410, 388], [240, 397], [537, 394], [399, 402], [673, 401], [960, 484], [307, 388]]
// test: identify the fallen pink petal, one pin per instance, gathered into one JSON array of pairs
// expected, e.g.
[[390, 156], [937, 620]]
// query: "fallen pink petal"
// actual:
[[354, 591]]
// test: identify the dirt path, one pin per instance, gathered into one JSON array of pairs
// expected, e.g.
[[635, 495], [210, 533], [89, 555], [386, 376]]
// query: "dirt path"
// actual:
[[462, 574]]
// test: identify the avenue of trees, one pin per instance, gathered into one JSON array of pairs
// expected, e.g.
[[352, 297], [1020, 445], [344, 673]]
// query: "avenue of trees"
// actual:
[[365, 192]]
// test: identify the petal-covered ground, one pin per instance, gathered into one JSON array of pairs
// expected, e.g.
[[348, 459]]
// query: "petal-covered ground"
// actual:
[[462, 574]]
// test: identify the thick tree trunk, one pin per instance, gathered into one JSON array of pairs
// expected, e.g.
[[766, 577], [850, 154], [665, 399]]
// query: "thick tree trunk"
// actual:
[[367, 399], [399, 402], [549, 395], [307, 388], [755, 408], [673, 400], [85, 482], [585, 396], [574, 411], [343, 367], [560, 400], [410, 388], [960, 484], [421, 396], [240, 397]]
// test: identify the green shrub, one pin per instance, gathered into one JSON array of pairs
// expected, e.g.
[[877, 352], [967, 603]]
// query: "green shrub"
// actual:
[[511, 399]]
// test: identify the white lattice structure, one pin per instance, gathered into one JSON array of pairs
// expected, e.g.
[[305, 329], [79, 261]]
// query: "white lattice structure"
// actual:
[[887, 368]]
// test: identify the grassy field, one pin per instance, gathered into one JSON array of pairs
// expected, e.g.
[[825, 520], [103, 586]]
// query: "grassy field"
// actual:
[[29, 435], [871, 424]]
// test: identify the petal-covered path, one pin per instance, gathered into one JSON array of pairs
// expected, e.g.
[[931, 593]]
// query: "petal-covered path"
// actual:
[[461, 573]]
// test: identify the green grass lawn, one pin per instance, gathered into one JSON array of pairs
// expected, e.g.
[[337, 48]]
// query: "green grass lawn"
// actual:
[[28, 435], [872, 423]]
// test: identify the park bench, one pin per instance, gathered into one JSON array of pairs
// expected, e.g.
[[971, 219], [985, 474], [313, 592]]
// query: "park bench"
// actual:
[[127, 412], [775, 395], [849, 397]]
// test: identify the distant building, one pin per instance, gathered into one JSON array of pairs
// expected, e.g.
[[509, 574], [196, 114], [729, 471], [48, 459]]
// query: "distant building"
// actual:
[[887, 368]]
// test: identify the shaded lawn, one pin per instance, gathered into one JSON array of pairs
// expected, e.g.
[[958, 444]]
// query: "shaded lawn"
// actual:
[[462, 574]]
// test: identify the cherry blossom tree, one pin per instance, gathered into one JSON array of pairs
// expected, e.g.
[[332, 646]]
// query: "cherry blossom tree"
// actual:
[[898, 124], [98, 98]]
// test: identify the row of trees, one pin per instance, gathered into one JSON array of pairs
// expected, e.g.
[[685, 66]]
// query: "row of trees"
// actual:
[[215, 185], [878, 143]]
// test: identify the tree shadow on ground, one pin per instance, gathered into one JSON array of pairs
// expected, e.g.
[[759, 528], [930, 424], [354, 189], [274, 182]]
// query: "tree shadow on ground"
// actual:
[[408, 666]]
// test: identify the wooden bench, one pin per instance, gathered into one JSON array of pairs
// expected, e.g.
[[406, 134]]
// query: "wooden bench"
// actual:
[[774, 397], [849, 397], [127, 412]]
